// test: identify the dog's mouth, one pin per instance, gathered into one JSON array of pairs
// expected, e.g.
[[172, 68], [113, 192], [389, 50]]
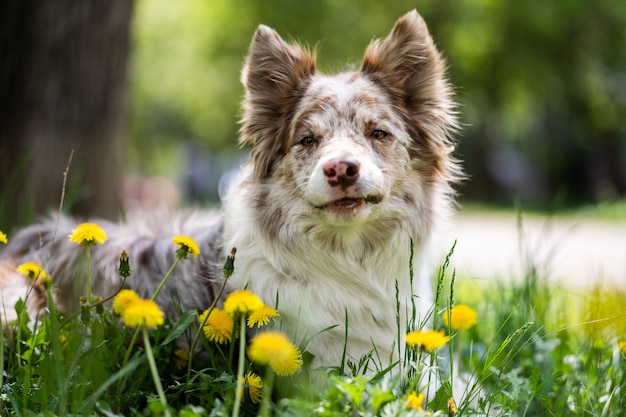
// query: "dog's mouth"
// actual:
[[350, 205]]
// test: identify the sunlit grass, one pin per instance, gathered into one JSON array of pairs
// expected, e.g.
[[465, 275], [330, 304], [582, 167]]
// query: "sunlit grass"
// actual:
[[535, 349]]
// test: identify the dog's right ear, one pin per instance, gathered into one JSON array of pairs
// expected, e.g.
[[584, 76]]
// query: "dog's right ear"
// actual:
[[274, 76]]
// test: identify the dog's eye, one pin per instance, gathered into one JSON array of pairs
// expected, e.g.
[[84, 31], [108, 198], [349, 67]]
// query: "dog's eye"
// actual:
[[379, 134], [308, 141]]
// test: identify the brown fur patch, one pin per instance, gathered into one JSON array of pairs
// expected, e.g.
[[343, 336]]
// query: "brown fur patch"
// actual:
[[275, 76]]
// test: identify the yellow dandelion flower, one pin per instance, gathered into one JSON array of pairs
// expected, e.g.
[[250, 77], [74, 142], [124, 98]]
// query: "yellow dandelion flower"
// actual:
[[415, 401], [187, 246], [34, 271], [242, 301], [262, 316], [275, 348], [219, 326], [255, 386], [88, 234], [622, 346], [123, 299], [142, 313], [180, 358], [452, 410], [429, 340], [3, 238], [461, 317], [45, 279]]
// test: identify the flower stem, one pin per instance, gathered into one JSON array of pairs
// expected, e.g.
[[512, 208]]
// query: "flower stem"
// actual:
[[268, 384], [196, 338], [126, 359], [89, 293], [55, 339], [155, 373], [242, 350], [165, 278], [134, 339]]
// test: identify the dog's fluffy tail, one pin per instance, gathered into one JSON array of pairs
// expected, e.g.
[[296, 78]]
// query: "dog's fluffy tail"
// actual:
[[146, 239]]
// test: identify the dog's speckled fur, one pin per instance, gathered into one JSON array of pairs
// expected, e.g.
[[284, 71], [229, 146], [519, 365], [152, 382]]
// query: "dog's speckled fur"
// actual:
[[321, 249]]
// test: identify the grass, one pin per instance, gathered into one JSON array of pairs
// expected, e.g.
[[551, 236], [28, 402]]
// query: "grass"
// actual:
[[606, 210], [536, 350]]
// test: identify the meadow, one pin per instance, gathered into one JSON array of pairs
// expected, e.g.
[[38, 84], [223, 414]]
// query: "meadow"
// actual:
[[521, 348]]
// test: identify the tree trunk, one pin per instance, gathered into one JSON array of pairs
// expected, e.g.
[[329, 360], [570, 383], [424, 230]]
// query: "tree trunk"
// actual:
[[63, 82]]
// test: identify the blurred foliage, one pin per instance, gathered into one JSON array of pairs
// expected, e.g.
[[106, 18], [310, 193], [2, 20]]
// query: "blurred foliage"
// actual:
[[542, 86]]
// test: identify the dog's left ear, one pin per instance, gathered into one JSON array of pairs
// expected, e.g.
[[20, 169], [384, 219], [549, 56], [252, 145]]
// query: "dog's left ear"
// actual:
[[407, 62], [407, 65], [274, 76]]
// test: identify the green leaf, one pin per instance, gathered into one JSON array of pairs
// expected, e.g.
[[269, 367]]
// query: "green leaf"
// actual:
[[179, 328]]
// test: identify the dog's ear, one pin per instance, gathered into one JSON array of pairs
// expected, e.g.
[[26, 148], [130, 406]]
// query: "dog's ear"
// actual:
[[274, 76], [407, 65], [407, 62]]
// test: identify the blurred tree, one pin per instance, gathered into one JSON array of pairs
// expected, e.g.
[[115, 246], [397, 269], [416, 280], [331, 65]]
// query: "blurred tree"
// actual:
[[63, 79], [544, 97]]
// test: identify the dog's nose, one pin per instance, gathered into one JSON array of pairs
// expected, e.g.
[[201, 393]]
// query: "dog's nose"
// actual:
[[343, 172]]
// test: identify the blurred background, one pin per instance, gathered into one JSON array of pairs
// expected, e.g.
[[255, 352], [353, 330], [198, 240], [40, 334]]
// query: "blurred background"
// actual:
[[126, 104]]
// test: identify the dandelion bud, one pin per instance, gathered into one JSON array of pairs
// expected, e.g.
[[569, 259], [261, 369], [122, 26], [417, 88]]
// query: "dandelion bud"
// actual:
[[229, 265], [124, 269], [85, 316]]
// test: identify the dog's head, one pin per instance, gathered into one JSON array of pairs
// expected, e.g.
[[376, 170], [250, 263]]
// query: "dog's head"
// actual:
[[352, 143]]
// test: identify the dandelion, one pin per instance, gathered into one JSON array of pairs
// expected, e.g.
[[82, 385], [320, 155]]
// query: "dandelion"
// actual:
[[452, 410], [275, 348], [187, 246], [88, 234], [262, 316], [415, 401], [142, 313], [34, 271], [3, 238], [622, 346], [123, 299], [429, 340], [180, 358], [31, 269], [461, 317], [242, 301], [255, 387], [219, 326]]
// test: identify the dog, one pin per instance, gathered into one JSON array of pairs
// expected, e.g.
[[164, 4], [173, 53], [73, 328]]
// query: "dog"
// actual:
[[334, 216]]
